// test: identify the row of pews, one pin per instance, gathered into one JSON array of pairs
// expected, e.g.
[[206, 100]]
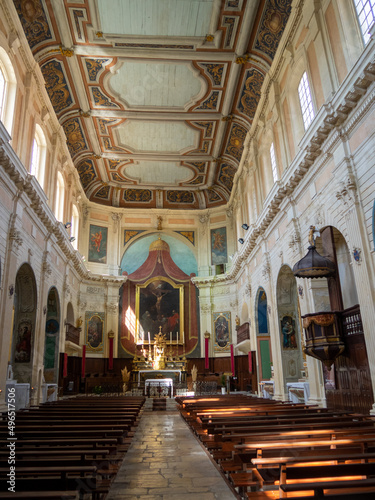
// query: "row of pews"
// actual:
[[269, 449], [68, 449]]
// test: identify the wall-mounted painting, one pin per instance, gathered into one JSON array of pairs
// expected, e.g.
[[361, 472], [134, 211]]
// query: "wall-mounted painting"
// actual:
[[159, 309], [219, 246], [98, 244], [22, 352], [288, 332], [94, 322], [222, 331]]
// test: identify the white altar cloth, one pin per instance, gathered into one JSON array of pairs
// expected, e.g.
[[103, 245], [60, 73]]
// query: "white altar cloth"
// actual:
[[158, 371], [298, 385]]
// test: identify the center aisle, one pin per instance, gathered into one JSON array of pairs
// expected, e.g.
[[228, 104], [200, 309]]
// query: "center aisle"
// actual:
[[166, 462]]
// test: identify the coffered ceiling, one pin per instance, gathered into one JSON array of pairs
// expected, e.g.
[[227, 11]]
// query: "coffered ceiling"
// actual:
[[155, 96]]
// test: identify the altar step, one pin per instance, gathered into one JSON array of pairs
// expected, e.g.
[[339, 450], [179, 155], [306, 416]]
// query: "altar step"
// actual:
[[159, 404]]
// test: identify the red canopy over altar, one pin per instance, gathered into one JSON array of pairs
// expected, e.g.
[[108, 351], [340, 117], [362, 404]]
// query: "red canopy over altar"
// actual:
[[158, 268]]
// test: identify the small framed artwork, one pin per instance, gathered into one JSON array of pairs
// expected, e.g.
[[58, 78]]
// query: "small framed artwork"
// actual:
[[98, 244], [219, 246], [94, 331], [288, 330], [222, 331]]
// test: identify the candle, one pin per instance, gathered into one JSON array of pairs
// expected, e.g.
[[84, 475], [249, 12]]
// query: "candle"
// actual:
[[170, 337], [177, 337], [149, 337]]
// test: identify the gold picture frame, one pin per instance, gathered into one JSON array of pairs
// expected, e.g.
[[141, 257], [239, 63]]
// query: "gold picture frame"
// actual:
[[159, 308], [94, 331], [222, 331]]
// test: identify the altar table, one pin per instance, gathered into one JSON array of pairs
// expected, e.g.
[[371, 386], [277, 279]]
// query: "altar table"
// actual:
[[159, 383], [158, 371]]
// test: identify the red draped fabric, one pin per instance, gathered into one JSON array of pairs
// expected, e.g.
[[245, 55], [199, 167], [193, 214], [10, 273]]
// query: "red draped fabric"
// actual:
[[158, 264], [232, 360], [110, 360], [65, 365], [83, 366], [250, 363], [160, 260], [206, 358]]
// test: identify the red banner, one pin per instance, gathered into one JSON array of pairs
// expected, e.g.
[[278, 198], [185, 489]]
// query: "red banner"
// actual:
[[232, 360], [83, 361], [250, 363], [65, 365], [110, 360], [206, 360]]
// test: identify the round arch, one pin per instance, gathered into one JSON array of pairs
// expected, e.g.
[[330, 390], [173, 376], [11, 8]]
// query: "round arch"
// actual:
[[263, 337], [23, 339], [289, 325], [52, 336]]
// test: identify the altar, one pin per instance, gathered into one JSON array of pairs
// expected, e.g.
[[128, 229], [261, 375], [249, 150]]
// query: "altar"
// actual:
[[145, 375]]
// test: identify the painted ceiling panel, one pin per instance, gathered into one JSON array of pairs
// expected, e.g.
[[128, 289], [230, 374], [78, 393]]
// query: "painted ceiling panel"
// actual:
[[150, 83], [182, 18], [142, 87], [162, 136], [158, 173]]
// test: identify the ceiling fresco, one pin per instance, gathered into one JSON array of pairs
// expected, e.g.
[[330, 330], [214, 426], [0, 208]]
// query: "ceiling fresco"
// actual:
[[155, 96]]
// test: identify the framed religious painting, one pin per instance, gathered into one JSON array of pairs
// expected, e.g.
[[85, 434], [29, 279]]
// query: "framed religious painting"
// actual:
[[159, 309], [222, 331], [94, 323], [98, 244], [219, 246], [288, 330]]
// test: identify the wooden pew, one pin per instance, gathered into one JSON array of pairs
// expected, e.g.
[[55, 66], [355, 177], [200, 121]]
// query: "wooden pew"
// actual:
[[338, 478], [39, 495], [68, 446], [274, 430], [50, 478]]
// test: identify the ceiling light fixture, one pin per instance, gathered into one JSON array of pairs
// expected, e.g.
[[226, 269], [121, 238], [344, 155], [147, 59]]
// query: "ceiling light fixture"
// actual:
[[241, 240], [245, 226]]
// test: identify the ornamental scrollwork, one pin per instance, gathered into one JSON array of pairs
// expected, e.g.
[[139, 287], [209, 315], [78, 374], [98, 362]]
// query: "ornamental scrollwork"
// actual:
[[15, 239], [112, 308], [347, 192]]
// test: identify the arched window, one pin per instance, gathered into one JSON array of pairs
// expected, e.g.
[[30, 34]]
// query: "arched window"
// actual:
[[366, 17], [273, 163], [38, 155], [60, 191], [75, 226], [305, 100], [8, 86]]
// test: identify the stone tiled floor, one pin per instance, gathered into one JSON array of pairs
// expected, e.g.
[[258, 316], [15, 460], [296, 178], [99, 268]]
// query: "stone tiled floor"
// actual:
[[166, 462]]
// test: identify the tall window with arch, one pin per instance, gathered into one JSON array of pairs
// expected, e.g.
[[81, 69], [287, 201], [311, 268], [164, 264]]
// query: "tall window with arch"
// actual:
[[305, 100], [366, 17], [273, 164], [38, 155], [8, 86], [75, 226], [60, 194]]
